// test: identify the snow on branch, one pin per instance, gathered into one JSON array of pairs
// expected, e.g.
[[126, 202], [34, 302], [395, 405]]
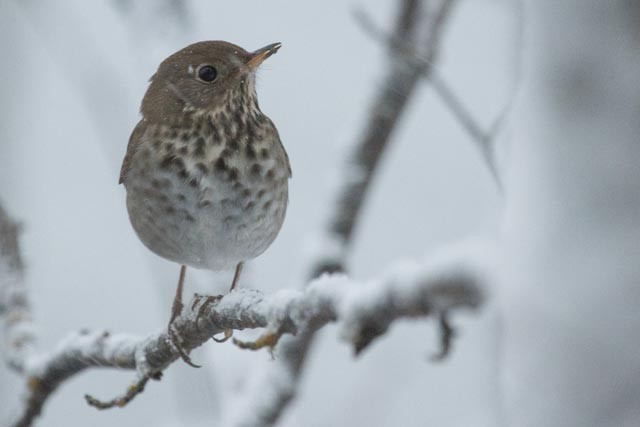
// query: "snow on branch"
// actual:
[[364, 311]]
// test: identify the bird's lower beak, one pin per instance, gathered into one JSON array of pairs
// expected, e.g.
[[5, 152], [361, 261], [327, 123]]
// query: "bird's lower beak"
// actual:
[[261, 54]]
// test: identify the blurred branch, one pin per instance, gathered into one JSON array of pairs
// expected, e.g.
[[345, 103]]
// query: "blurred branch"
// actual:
[[453, 279], [421, 29], [485, 139], [15, 307], [13, 296]]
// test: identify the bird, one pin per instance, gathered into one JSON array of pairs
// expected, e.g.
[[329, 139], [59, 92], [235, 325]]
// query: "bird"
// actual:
[[205, 172]]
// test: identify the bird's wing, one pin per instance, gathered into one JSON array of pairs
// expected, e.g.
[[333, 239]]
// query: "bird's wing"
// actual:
[[134, 143]]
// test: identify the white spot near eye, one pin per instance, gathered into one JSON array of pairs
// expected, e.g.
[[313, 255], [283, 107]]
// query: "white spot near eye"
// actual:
[[190, 69]]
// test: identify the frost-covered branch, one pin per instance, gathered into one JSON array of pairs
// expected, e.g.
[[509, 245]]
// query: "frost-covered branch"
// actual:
[[364, 311], [416, 26]]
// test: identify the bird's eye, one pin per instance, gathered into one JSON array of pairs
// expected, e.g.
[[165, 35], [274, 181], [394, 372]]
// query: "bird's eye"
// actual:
[[207, 73]]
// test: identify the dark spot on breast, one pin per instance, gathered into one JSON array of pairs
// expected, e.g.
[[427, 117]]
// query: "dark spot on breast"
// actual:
[[183, 150], [267, 205], [193, 182], [224, 122], [204, 203], [256, 170], [182, 173], [177, 162], [188, 216], [227, 153], [264, 154], [249, 205], [246, 193], [156, 144], [229, 218], [234, 174], [239, 120], [168, 147], [170, 210], [200, 145], [202, 168], [250, 152], [251, 133], [234, 145], [209, 128], [185, 136], [220, 165], [216, 138], [181, 197], [271, 174], [261, 194], [166, 162]]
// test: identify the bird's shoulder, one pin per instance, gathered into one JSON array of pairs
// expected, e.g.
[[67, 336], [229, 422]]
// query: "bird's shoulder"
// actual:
[[135, 140]]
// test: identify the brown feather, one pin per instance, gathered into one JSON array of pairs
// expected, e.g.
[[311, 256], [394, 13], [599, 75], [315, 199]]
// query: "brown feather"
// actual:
[[134, 143]]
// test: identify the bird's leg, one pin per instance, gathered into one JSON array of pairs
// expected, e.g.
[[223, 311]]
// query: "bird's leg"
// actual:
[[177, 306], [176, 309], [268, 339], [236, 276]]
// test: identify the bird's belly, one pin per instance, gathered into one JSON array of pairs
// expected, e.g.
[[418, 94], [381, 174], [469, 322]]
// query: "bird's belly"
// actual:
[[211, 223]]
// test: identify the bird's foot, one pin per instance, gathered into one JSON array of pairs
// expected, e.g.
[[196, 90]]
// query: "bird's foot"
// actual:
[[228, 333], [122, 401], [268, 339], [175, 341], [208, 300]]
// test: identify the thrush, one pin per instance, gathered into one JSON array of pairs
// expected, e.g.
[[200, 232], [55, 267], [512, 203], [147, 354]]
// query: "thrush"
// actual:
[[205, 172]]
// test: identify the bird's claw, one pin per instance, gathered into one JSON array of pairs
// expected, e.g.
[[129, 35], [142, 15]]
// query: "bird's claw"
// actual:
[[208, 300], [228, 333], [268, 339], [174, 342]]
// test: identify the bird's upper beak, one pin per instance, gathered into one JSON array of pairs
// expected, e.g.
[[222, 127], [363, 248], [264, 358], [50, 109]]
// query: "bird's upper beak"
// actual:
[[261, 54]]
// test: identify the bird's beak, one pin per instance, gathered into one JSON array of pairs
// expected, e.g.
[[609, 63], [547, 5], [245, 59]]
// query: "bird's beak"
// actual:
[[261, 54]]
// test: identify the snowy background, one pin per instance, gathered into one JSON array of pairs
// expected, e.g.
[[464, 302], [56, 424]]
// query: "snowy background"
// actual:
[[72, 79]]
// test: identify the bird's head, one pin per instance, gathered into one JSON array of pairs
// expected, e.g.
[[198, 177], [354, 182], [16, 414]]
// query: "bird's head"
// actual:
[[203, 76]]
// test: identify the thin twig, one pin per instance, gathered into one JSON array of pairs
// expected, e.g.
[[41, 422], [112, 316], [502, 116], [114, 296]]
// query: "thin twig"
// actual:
[[484, 139]]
